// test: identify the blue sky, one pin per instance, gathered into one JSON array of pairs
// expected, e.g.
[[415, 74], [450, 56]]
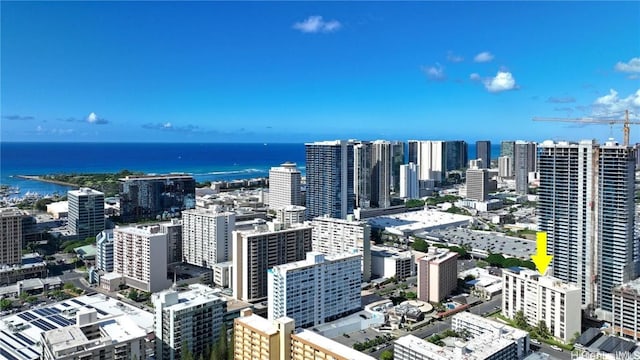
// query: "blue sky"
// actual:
[[302, 71]]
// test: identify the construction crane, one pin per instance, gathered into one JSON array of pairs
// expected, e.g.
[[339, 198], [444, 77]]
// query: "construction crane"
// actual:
[[625, 122]]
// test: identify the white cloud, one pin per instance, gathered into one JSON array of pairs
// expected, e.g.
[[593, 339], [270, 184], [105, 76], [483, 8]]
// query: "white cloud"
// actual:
[[484, 56], [94, 119], [166, 125], [315, 24], [474, 77], [503, 81], [632, 66], [612, 105], [435, 73], [454, 58]]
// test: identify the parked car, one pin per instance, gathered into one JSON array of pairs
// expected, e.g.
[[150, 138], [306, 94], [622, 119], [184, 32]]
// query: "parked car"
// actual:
[[535, 341], [556, 348]]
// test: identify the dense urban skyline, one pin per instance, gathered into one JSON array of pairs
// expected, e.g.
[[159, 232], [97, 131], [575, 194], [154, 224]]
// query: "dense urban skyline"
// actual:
[[298, 71]]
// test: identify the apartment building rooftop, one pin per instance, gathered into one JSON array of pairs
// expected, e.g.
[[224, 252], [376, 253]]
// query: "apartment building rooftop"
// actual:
[[329, 345], [258, 323], [478, 348], [632, 287], [314, 258]]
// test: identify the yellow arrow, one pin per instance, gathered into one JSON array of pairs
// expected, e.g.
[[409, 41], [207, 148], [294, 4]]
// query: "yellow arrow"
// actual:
[[540, 258]]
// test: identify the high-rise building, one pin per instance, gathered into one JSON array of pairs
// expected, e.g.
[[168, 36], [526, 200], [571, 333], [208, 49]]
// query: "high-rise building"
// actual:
[[206, 236], [373, 166], [409, 181], [477, 184], [332, 236], [284, 186], [483, 151], [255, 251], [397, 159], [10, 236], [586, 206], [505, 167], [86, 212], [626, 310], [329, 177], [140, 256], [436, 158], [157, 196], [104, 251], [542, 298], [173, 229], [437, 274], [316, 290], [508, 148], [456, 155], [413, 149], [191, 318], [525, 162], [381, 167], [114, 338], [362, 176]]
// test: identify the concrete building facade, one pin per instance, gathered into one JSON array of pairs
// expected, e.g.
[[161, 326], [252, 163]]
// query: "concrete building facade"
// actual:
[[118, 338], [86, 212], [542, 298], [437, 274], [316, 290], [193, 318], [332, 236], [255, 251], [206, 236], [104, 251], [505, 167], [284, 186], [524, 163], [626, 310], [11, 236], [586, 207], [140, 257], [477, 184]]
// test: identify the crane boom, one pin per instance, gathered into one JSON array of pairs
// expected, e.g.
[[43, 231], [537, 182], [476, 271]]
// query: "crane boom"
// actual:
[[625, 122]]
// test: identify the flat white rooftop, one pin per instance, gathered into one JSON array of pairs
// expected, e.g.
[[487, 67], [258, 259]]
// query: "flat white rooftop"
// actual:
[[416, 221], [259, 323], [19, 333]]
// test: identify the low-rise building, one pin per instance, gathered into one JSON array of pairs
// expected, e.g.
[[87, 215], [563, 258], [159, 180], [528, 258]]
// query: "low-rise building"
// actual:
[[387, 262], [626, 310], [256, 338], [116, 338], [542, 298], [486, 340]]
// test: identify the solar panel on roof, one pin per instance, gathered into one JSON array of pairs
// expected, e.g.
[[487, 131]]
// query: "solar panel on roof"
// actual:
[[12, 338], [101, 312], [7, 355], [60, 322], [78, 302], [24, 317], [55, 310], [39, 312], [65, 304], [24, 338]]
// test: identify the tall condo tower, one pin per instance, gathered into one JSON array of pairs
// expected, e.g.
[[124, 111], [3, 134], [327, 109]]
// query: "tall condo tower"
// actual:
[[86, 212], [381, 174], [284, 186], [586, 206], [483, 151], [329, 178]]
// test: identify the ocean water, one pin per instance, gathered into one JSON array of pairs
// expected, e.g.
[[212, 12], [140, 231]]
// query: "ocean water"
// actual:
[[206, 162]]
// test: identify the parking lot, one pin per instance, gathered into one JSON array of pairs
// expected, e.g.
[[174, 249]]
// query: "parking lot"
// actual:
[[489, 241]]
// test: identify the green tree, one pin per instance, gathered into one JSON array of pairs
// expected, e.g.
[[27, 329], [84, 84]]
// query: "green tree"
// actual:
[[420, 245], [541, 330], [495, 260], [221, 348], [5, 304], [386, 355], [520, 321], [185, 353], [511, 262], [411, 295], [133, 294]]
